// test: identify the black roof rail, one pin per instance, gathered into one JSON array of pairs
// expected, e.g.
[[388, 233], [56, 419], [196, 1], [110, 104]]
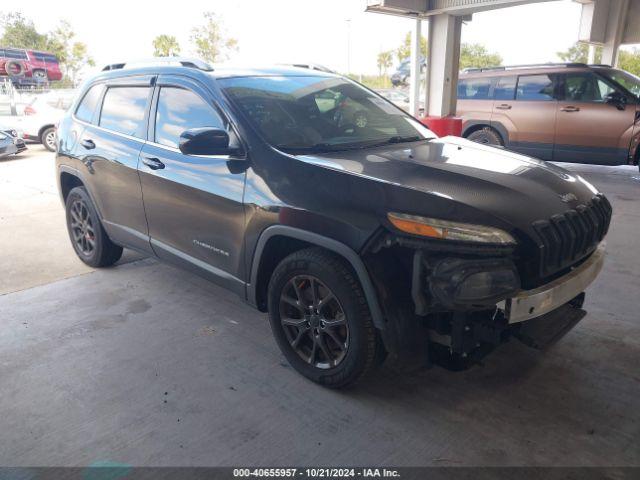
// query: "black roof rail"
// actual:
[[158, 61], [529, 65], [604, 65]]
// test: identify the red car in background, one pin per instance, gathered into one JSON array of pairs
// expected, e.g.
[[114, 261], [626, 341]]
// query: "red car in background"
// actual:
[[29, 66]]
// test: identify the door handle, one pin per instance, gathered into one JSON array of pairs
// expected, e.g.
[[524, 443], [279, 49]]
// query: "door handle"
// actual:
[[88, 144], [570, 109], [153, 163], [504, 106]]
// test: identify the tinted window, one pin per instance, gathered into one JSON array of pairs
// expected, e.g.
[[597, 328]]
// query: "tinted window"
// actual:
[[536, 87], [123, 110], [180, 110], [13, 53], [88, 104], [585, 87], [627, 80], [474, 89], [505, 88]]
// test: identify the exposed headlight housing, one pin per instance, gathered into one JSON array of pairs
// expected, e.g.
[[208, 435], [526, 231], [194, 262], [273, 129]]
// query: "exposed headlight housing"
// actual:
[[445, 230]]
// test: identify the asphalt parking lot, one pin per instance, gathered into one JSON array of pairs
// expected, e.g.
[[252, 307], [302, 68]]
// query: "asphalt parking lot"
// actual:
[[143, 364]]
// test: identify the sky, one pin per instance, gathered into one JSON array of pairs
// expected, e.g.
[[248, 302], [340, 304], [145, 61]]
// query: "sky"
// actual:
[[287, 31]]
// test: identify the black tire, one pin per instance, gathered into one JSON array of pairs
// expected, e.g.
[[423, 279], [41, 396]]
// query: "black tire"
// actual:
[[486, 136], [100, 251], [358, 352], [40, 76], [48, 139]]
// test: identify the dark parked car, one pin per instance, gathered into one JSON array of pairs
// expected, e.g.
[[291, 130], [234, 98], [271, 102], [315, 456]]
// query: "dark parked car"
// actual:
[[10, 145], [403, 73], [361, 242]]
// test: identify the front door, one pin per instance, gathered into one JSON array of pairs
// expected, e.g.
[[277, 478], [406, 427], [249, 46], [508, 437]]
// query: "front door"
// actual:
[[193, 203], [530, 118], [588, 129]]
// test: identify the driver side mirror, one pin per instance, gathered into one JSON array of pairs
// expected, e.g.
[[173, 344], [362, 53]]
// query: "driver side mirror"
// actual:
[[205, 141], [616, 99]]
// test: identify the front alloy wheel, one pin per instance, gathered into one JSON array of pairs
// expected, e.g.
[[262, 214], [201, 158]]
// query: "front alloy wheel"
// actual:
[[314, 322], [320, 318]]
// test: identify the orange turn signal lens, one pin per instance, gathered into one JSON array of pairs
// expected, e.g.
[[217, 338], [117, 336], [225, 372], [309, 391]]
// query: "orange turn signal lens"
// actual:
[[407, 225]]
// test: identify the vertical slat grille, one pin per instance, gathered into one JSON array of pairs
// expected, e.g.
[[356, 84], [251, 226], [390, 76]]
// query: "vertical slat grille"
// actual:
[[568, 237]]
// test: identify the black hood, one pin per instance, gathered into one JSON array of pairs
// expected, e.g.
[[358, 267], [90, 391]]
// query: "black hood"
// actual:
[[480, 180]]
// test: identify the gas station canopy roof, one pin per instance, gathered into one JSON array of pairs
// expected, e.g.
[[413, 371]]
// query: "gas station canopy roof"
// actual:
[[426, 8]]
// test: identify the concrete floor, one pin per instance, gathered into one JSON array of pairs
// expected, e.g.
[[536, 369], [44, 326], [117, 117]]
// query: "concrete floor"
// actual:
[[143, 364]]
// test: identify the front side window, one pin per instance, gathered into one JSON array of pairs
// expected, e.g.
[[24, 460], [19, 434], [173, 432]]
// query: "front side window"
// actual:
[[536, 88], [180, 110], [628, 81], [89, 103], [585, 87], [474, 89], [123, 110], [320, 113]]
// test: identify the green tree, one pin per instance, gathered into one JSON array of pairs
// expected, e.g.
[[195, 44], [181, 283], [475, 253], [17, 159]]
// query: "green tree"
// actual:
[[73, 56], [630, 61], [474, 55], [166, 46], [385, 61], [20, 32], [579, 53], [77, 59], [210, 40], [404, 51]]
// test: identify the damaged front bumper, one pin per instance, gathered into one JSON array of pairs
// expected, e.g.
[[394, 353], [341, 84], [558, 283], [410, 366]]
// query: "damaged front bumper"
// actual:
[[529, 304], [463, 304]]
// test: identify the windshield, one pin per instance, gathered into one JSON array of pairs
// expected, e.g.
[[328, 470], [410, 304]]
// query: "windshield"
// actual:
[[320, 113], [626, 79]]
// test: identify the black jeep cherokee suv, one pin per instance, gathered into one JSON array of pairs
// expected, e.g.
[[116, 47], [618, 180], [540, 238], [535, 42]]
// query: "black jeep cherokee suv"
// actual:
[[363, 241]]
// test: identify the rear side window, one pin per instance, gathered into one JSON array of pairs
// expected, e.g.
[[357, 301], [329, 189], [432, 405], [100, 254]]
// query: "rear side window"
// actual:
[[505, 88], [474, 89], [89, 103], [536, 87], [14, 53], [180, 110], [123, 110]]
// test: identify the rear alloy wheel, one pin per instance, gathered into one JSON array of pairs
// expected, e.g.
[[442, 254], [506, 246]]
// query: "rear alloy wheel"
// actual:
[[486, 136], [320, 318], [40, 76], [48, 139], [89, 240]]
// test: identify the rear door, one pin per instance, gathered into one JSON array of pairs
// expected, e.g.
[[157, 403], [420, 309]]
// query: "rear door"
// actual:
[[529, 116], [109, 148], [193, 203], [589, 130]]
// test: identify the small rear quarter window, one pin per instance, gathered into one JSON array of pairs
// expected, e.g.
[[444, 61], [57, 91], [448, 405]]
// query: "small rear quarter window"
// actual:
[[89, 103]]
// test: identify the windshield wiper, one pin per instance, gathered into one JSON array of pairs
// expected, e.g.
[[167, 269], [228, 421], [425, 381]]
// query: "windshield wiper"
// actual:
[[336, 147]]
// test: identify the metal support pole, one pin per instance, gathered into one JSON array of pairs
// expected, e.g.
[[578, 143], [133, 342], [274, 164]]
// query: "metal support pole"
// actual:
[[414, 89], [615, 29], [592, 54]]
